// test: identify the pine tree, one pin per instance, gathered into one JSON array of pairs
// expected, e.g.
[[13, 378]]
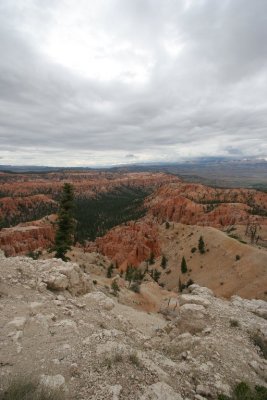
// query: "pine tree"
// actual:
[[110, 271], [183, 266], [65, 222], [201, 245], [115, 287], [151, 258], [164, 261], [155, 274]]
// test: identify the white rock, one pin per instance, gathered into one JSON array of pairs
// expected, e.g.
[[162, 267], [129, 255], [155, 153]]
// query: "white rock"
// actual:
[[18, 322], [193, 299], [193, 311], [115, 391], [196, 289], [35, 307], [52, 381], [2, 255], [203, 390], [160, 391], [101, 300]]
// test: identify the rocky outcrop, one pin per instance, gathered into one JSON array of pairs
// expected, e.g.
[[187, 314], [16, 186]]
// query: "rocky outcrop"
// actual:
[[196, 204], [52, 274], [129, 244], [60, 276], [28, 237], [14, 209], [93, 346]]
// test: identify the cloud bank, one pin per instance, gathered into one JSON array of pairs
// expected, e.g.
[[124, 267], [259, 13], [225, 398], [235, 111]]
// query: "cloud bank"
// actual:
[[112, 81]]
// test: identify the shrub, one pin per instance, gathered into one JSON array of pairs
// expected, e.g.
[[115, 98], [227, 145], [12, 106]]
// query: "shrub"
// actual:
[[258, 341], [135, 287], [155, 274], [193, 250], [237, 257], [133, 357], [94, 282], [115, 357], [234, 323], [34, 254], [189, 282], [26, 388], [167, 225], [134, 274], [115, 287], [242, 391], [181, 286]]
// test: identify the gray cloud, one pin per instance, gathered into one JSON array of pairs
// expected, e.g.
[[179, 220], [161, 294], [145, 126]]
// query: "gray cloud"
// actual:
[[86, 84]]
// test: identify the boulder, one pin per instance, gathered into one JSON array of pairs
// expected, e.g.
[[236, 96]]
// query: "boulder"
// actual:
[[193, 318], [61, 276], [160, 391], [199, 290], [193, 299], [99, 300], [52, 381]]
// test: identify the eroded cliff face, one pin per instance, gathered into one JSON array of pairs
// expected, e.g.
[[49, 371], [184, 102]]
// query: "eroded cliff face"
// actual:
[[189, 204], [173, 200], [28, 236], [196, 204], [129, 244], [14, 208], [86, 184], [31, 196]]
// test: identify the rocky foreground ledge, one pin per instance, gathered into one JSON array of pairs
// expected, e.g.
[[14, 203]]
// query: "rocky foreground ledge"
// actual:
[[69, 334]]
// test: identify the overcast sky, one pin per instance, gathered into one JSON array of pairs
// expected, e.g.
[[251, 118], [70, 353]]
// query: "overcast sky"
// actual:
[[93, 82]]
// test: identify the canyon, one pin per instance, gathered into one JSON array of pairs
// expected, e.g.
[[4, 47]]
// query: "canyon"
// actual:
[[88, 329], [233, 223]]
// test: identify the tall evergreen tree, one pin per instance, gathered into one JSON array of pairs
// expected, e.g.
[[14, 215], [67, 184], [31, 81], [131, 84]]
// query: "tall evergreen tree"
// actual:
[[183, 266], [164, 261], [151, 258], [201, 245], [66, 224]]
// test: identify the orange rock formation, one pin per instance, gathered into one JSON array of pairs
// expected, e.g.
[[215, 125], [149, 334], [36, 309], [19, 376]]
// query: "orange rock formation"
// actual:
[[27, 237], [129, 244]]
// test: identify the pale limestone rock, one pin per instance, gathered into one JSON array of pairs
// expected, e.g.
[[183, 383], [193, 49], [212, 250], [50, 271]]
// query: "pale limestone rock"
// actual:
[[52, 381], [115, 391], [101, 300], [61, 276], [196, 311], [193, 318], [2, 255], [204, 291], [18, 322], [160, 391], [203, 390], [193, 299]]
